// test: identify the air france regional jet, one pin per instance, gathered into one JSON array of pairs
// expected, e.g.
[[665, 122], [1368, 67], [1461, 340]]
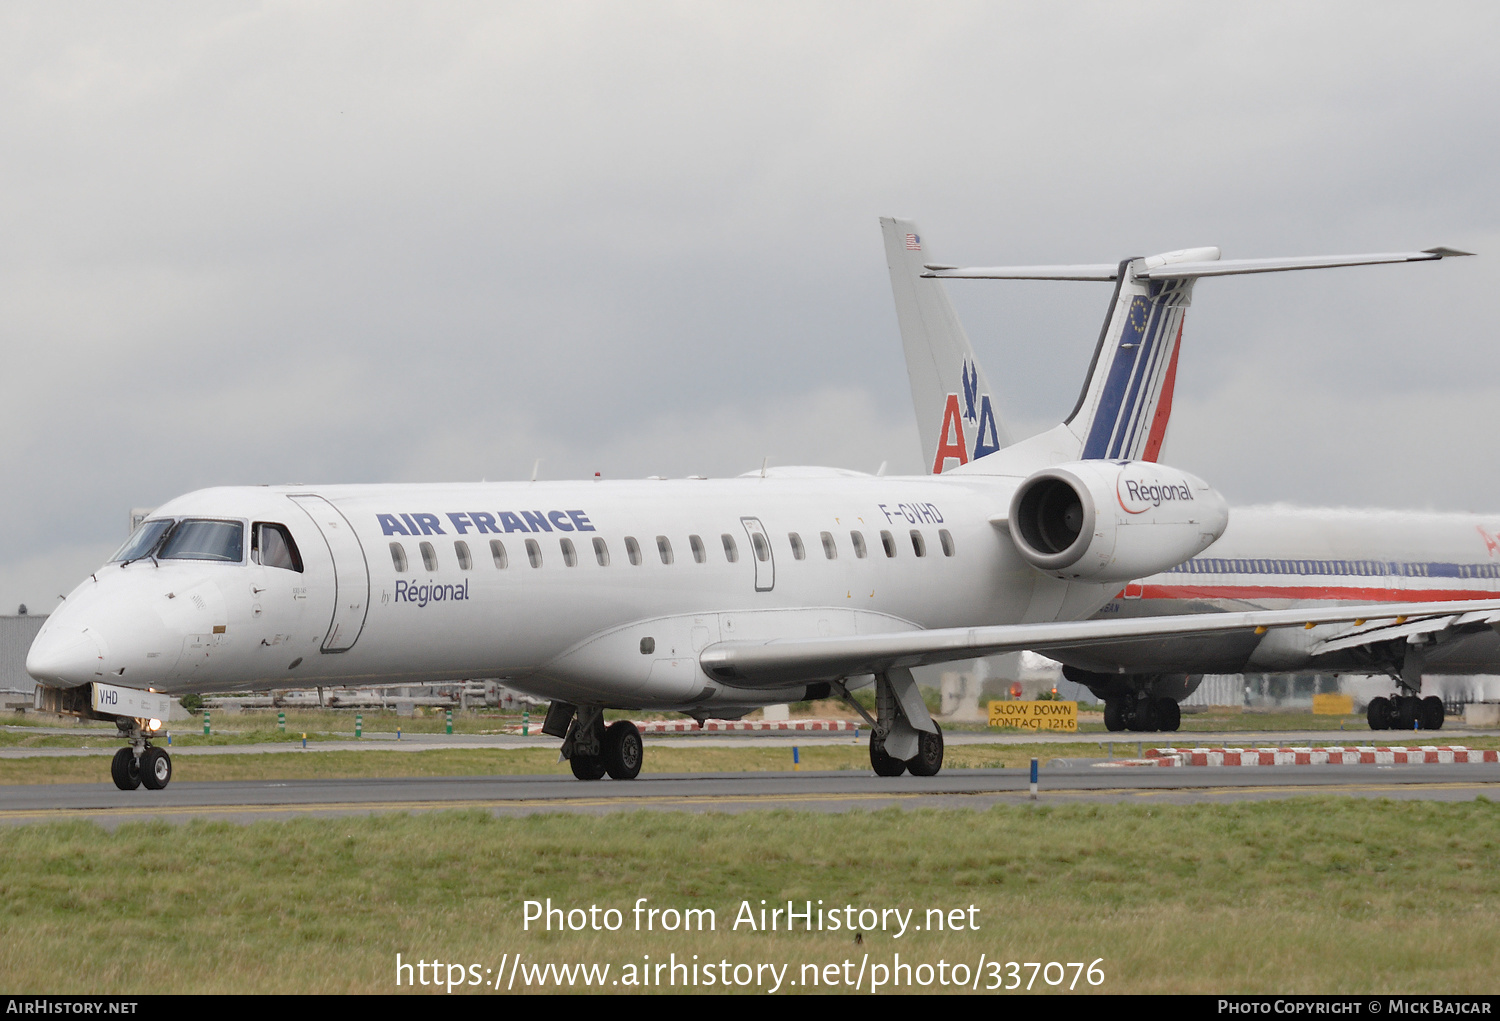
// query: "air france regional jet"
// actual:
[[706, 597], [1268, 557]]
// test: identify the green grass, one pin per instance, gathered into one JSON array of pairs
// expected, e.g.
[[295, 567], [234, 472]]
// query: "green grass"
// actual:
[[1304, 895]]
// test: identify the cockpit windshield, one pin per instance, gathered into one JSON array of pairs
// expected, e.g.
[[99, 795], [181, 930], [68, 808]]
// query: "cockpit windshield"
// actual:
[[221, 541], [142, 541]]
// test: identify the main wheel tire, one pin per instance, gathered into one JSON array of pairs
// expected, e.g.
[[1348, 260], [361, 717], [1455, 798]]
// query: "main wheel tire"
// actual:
[[1114, 714], [1432, 713], [1143, 715], [883, 764], [156, 768], [1168, 714], [1408, 712], [929, 757], [124, 770], [623, 752], [1378, 713], [587, 767]]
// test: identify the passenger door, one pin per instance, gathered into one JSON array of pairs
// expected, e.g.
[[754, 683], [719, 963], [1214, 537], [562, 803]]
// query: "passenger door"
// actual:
[[351, 600]]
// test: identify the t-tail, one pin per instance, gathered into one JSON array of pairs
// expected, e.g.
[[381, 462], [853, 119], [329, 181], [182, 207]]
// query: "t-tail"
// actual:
[[1125, 405]]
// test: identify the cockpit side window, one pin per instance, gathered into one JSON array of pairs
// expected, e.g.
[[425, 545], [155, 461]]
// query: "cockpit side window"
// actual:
[[272, 545], [218, 541], [142, 541]]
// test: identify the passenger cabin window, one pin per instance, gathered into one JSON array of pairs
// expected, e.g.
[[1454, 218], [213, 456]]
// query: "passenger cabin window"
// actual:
[[858, 538], [633, 551], [731, 550], [798, 552], [219, 541], [465, 560], [533, 553], [699, 554], [829, 549], [429, 556], [664, 548], [888, 541], [761, 547], [918, 544], [272, 546], [398, 557], [570, 555], [497, 553], [946, 538], [601, 552]]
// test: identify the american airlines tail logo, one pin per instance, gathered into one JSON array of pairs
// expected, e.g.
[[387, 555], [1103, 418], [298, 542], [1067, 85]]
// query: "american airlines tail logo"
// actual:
[[974, 417]]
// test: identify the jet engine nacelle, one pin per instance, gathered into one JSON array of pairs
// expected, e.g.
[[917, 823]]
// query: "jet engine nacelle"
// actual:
[[1113, 520]]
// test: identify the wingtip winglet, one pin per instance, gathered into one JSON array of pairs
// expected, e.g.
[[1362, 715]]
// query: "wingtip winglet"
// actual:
[[1444, 253]]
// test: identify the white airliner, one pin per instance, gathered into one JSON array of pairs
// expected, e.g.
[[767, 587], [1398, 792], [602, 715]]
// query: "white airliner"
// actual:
[[1268, 557], [705, 597]]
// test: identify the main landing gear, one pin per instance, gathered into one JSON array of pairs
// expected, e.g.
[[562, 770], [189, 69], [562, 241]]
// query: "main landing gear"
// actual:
[[1142, 714], [1405, 712], [591, 748], [903, 737], [1406, 709], [140, 764]]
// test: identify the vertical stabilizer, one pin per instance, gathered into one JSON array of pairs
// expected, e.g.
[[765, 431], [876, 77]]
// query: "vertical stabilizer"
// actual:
[[956, 414], [1126, 401]]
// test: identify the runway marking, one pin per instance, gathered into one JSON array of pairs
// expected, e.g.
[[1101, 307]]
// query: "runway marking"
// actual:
[[53, 814]]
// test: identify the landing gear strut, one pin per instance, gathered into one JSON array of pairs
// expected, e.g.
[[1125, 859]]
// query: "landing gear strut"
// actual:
[[904, 736], [141, 763]]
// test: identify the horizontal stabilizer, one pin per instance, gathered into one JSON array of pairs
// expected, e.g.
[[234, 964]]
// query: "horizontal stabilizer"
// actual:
[[1142, 269], [798, 660]]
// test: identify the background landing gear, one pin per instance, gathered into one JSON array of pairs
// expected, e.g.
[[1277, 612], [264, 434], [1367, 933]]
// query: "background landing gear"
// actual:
[[1405, 712], [1142, 714]]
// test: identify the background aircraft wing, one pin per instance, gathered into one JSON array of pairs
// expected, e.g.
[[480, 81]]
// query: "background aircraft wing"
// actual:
[[787, 661]]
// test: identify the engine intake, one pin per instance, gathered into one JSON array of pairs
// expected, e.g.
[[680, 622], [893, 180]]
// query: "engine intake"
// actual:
[[1112, 520]]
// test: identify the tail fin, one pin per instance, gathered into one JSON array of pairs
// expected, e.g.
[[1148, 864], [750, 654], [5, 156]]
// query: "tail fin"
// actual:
[[956, 416], [1126, 401]]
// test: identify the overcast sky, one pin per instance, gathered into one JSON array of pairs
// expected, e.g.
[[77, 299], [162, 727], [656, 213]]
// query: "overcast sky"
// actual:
[[299, 242]]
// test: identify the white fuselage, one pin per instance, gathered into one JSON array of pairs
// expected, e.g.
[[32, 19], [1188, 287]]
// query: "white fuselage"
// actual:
[[624, 635]]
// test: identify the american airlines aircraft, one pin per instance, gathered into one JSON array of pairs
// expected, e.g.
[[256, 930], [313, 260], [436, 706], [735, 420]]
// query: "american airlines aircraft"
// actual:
[[707, 597], [1279, 557]]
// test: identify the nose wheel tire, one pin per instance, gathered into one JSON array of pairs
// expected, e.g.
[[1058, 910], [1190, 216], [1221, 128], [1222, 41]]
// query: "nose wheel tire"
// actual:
[[156, 768], [623, 752], [124, 770]]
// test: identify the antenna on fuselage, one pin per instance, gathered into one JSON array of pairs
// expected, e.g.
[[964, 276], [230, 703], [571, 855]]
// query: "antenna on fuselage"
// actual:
[[536, 468], [881, 470], [764, 463]]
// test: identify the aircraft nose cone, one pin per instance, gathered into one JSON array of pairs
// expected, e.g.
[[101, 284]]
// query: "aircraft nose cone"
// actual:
[[67, 655]]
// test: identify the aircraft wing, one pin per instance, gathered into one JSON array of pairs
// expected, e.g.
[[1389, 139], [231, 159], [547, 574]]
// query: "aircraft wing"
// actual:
[[1368, 632], [794, 660]]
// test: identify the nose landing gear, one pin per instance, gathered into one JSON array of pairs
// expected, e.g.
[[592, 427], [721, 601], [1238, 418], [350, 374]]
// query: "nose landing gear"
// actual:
[[141, 764]]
